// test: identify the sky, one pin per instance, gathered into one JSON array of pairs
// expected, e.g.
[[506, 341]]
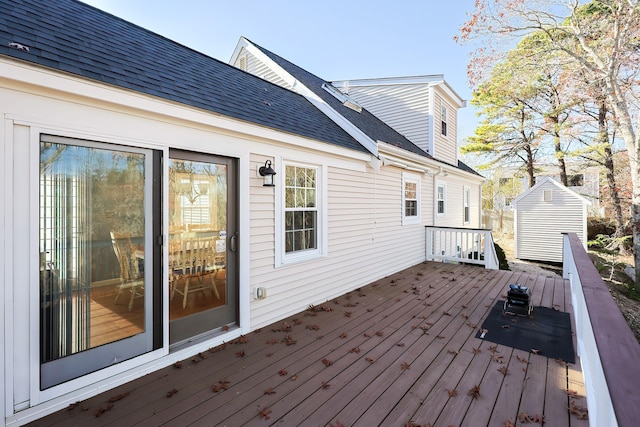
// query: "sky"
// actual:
[[333, 39]]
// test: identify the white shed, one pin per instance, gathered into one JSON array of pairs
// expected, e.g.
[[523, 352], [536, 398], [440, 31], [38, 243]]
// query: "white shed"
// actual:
[[542, 214]]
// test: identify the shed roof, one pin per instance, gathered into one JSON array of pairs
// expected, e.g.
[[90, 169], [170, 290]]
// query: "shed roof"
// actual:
[[73, 37], [541, 182]]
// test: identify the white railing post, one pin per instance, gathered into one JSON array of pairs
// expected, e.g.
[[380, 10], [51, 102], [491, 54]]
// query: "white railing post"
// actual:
[[461, 245]]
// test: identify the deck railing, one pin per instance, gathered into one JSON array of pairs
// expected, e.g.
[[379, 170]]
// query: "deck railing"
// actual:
[[608, 350], [461, 245]]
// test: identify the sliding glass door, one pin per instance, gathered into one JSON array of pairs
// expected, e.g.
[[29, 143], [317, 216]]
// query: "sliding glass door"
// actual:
[[99, 228], [203, 295]]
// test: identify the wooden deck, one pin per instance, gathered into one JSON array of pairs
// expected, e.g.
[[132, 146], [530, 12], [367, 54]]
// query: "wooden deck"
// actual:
[[399, 352]]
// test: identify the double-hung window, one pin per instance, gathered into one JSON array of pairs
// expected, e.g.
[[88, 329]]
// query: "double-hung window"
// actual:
[[466, 206], [302, 231], [440, 200], [443, 120], [410, 199]]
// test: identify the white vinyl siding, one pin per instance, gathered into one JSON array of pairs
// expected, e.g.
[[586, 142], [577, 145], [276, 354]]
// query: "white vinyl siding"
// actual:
[[257, 68], [539, 224], [366, 241], [446, 146], [403, 107]]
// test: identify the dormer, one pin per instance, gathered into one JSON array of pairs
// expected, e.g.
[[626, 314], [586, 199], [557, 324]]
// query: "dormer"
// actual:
[[422, 108]]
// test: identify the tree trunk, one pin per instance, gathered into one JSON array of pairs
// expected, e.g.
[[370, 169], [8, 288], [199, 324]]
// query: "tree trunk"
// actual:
[[609, 167], [625, 125], [529, 165]]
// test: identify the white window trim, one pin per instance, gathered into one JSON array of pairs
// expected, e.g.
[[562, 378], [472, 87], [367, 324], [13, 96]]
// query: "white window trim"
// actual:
[[466, 204], [444, 130], [417, 219], [281, 257], [444, 186]]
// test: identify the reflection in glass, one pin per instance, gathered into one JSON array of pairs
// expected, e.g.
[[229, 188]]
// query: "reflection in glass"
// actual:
[[197, 237], [300, 215], [91, 222]]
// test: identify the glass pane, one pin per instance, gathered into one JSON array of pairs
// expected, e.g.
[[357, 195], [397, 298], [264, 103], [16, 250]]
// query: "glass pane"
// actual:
[[91, 243], [197, 237], [290, 176]]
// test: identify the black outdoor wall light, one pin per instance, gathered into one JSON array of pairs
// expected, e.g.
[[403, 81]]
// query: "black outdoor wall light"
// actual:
[[267, 172]]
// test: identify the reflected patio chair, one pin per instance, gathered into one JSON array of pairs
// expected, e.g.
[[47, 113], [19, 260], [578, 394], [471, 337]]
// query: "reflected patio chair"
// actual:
[[194, 258], [131, 278]]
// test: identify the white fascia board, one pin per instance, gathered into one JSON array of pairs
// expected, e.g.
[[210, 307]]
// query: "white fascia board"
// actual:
[[318, 102], [389, 81], [28, 77], [448, 90], [392, 154], [431, 80]]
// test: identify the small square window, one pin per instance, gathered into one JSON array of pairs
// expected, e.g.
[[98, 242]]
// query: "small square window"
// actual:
[[547, 195]]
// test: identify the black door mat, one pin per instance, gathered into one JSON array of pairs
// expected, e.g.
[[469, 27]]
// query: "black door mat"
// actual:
[[547, 332]]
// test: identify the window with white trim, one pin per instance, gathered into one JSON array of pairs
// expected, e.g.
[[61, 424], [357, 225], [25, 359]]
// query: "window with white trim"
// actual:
[[410, 199], [466, 205], [440, 200], [302, 233], [443, 120]]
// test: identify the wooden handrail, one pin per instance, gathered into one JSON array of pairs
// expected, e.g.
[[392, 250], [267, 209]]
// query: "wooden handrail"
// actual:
[[608, 350]]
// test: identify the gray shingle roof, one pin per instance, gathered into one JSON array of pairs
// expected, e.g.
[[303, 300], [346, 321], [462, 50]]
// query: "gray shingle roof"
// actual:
[[76, 38], [371, 125]]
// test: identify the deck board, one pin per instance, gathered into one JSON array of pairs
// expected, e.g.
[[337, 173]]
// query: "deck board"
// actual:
[[387, 354]]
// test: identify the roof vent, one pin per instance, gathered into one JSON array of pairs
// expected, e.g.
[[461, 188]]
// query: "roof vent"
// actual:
[[19, 46], [346, 100]]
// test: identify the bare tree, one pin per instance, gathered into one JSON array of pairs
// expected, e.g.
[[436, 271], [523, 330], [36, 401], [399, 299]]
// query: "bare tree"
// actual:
[[601, 37]]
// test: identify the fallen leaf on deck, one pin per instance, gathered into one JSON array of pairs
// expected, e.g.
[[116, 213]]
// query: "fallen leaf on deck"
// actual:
[[509, 423], [344, 335], [177, 365], [355, 350], [325, 385], [294, 377], [379, 333], [452, 393], [313, 327], [504, 371], [264, 413], [476, 350], [535, 351], [171, 392], [404, 366], [474, 392], [288, 340], [283, 372], [327, 362], [118, 397], [523, 359], [240, 353], [523, 417], [370, 360], [270, 391]]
